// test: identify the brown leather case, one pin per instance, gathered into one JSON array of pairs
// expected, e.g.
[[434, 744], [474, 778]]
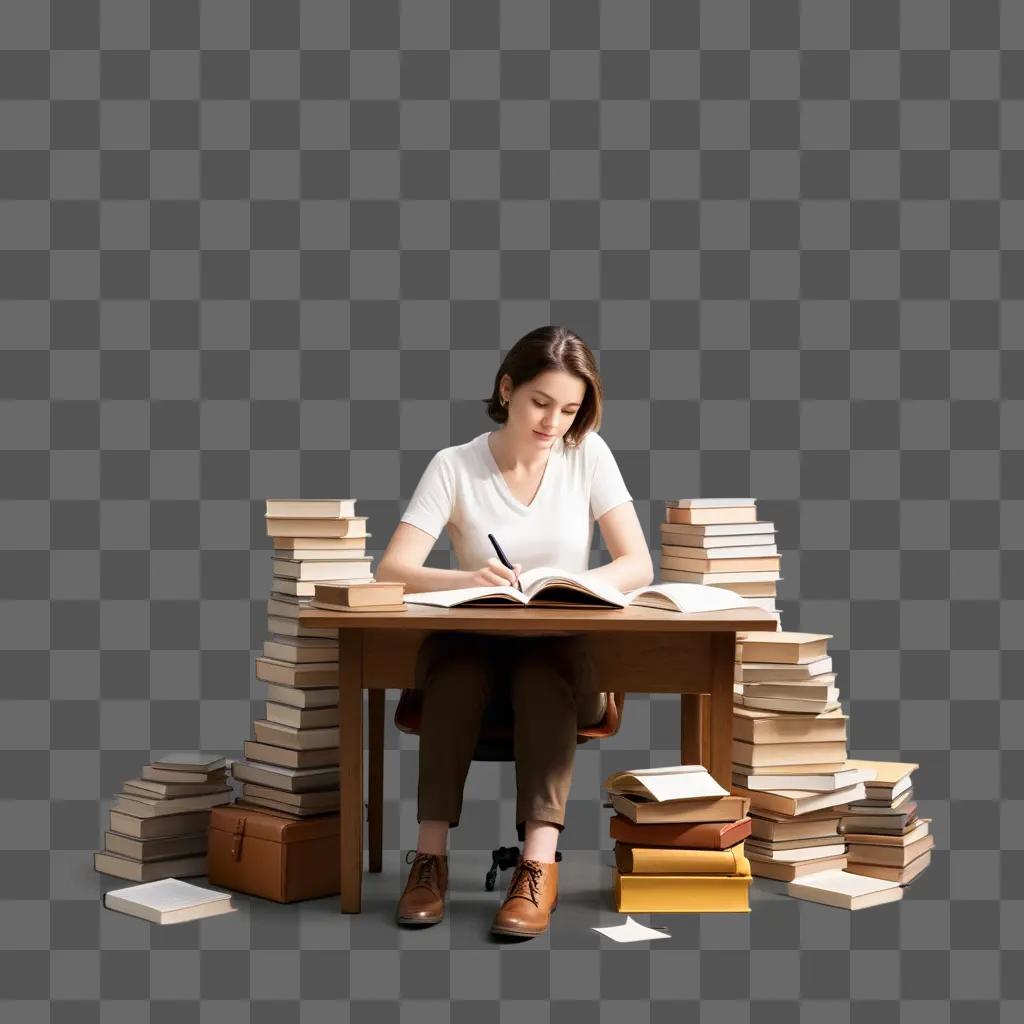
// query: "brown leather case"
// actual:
[[280, 858]]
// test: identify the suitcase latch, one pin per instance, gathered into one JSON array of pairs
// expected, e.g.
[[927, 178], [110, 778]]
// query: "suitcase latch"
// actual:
[[236, 842]]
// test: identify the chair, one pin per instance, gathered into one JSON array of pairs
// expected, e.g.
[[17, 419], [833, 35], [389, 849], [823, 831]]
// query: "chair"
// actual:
[[496, 743]]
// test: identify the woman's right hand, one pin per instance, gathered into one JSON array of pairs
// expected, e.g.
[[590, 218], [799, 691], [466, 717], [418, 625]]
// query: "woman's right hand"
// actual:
[[494, 574]]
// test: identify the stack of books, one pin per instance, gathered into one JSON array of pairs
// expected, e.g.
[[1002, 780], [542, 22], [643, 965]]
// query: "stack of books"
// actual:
[[292, 764], [790, 754], [884, 836], [679, 842], [719, 542], [158, 823]]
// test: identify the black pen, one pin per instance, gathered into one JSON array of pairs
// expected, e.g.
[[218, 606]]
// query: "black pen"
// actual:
[[503, 558]]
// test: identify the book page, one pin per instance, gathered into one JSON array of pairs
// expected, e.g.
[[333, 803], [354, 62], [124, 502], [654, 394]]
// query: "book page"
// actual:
[[686, 597], [535, 580], [463, 595]]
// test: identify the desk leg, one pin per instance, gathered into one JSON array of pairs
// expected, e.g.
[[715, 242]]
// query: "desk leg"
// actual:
[[692, 728], [723, 654], [350, 766], [375, 804]]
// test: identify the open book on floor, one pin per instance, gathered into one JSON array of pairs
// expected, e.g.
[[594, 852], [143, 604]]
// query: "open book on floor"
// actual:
[[549, 587]]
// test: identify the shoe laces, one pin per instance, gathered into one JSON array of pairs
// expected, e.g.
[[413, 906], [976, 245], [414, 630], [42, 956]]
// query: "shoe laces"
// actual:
[[525, 881], [425, 870]]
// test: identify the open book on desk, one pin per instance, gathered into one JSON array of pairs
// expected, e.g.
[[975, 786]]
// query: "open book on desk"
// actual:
[[549, 587]]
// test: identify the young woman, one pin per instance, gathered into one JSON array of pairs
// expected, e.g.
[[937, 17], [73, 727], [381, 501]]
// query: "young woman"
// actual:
[[538, 483]]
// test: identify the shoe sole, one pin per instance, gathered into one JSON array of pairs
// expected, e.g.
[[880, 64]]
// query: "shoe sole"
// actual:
[[420, 920]]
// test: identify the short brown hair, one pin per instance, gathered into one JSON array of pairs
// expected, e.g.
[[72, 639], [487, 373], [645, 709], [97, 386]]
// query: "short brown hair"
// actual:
[[552, 348]]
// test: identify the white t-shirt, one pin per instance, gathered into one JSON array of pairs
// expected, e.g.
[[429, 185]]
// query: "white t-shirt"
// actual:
[[463, 488]]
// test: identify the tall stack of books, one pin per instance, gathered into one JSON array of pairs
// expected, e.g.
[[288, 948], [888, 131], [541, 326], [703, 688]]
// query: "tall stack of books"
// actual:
[[721, 543], [885, 838], [790, 754], [679, 842], [292, 764], [158, 823]]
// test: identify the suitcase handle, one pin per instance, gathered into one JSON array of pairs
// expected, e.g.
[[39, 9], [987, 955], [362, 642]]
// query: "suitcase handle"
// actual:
[[236, 842]]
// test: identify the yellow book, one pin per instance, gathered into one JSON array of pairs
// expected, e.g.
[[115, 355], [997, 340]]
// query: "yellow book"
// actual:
[[675, 894], [667, 860]]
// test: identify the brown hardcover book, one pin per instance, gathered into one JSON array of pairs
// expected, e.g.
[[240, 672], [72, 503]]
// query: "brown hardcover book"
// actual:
[[797, 829], [167, 790], [298, 654], [147, 807], [890, 856], [705, 835], [154, 774], [287, 757], [318, 697], [903, 875]]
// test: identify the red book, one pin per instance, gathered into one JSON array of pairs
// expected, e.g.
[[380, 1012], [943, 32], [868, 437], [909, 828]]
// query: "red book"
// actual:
[[703, 835]]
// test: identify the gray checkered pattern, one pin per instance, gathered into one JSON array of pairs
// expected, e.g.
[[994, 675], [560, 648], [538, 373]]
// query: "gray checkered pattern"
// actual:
[[277, 249]]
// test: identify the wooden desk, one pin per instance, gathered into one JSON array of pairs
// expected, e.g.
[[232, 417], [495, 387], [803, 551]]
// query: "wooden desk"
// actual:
[[634, 650]]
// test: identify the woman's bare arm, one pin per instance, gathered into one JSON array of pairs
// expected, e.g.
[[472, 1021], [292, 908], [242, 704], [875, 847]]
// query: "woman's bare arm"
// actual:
[[403, 559]]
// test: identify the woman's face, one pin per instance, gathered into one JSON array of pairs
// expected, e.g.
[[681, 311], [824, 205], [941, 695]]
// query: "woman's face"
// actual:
[[543, 409]]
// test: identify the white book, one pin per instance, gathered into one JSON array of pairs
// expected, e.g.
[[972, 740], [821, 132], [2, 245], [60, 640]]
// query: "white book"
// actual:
[[706, 502], [814, 782], [845, 890], [800, 854], [546, 586], [168, 901], [671, 782]]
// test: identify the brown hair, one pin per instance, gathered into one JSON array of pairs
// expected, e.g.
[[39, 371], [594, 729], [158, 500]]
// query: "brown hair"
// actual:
[[552, 348]]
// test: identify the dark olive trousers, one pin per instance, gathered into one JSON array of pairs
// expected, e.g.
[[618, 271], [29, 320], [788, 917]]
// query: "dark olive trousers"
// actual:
[[541, 680]]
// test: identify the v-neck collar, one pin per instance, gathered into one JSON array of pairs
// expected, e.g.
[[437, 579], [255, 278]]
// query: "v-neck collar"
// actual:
[[502, 484]]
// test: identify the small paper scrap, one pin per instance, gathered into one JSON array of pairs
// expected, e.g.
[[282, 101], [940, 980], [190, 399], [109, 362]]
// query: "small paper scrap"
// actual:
[[632, 931]]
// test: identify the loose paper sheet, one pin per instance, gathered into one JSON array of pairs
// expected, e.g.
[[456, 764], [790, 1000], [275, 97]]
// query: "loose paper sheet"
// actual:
[[632, 931]]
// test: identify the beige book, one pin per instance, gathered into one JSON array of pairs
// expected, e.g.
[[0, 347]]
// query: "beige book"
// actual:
[[169, 901], [845, 890], [147, 871], [718, 531], [160, 790], [296, 654], [796, 854], [787, 705], [904, 875], [733, 550], [292, 780], [319, 697], [322, 800], [747, 588], [784, 646], [756, 754], [190, 761], [153, 828], [767, 846], [710, 578], [820, 782], [295, 739], [292, 627], [790, 691], [310, 508], [892, 856], [174, 775], [894, 774], [313, 674], [785, 872], [795, 829], [766, 672], [326, 569], [795, 801], [705, 516], [263, 804], [304, 554], [281, 588], [146, 807], [358, 595], [288, 758], [301, 718], [285, 609], [919, 829], [723, 808], [754, 726], [154, 849], [321, 543]]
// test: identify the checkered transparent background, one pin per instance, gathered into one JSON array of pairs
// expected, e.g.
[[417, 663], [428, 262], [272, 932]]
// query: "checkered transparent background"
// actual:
[[278, 248]]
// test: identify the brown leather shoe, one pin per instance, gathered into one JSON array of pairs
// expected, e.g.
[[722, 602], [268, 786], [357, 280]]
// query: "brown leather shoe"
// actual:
[[423, 899], [532, 895]]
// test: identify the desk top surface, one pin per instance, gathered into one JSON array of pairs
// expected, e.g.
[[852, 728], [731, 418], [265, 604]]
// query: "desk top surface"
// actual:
[[516, 619]]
